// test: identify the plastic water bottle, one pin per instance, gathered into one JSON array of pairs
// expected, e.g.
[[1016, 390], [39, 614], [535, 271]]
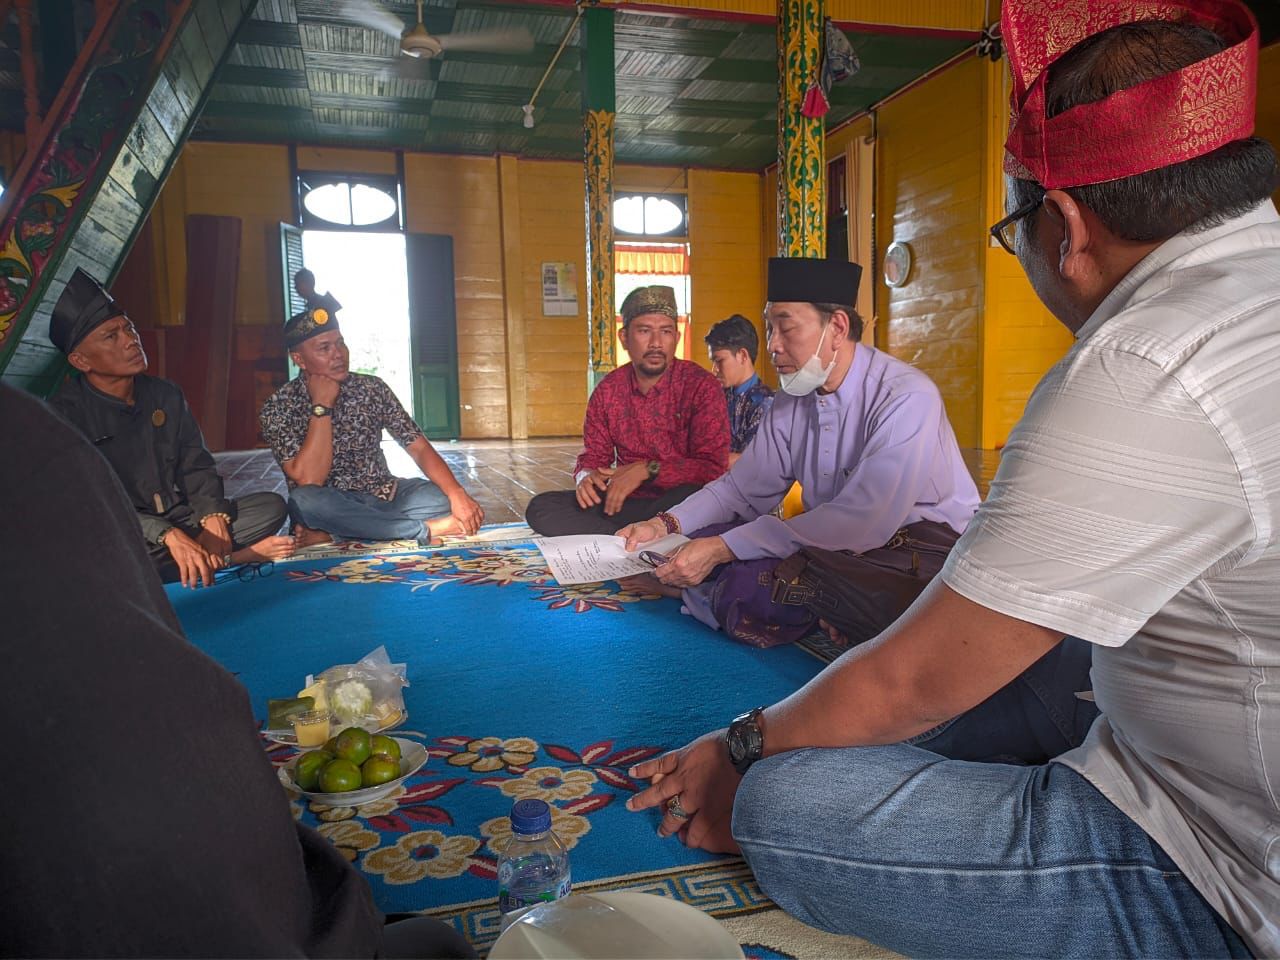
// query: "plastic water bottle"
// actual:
[[534, 867]]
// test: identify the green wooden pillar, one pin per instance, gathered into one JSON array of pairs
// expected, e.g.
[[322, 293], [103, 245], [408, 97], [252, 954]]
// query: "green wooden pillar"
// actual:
[[597, 140], [802, 168]]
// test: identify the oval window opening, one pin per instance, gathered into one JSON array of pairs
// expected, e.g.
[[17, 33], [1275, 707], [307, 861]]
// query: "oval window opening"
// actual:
[[661, 215], [331, 202], [370, 205], [628, 214]]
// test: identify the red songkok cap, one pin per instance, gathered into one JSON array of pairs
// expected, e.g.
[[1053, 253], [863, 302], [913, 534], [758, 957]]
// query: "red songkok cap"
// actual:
[[1163, 121]]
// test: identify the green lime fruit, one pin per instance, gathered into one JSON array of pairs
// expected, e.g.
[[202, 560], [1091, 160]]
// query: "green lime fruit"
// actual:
[[385, 747], [331, 746], [378, 769], [339, 776], [306, 772], [354, 745]]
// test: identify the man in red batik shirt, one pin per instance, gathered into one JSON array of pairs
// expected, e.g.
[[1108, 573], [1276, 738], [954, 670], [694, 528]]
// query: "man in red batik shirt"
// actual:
[[656, 431]]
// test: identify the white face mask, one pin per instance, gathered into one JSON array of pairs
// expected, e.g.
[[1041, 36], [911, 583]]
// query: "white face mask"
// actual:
[[809, 377]]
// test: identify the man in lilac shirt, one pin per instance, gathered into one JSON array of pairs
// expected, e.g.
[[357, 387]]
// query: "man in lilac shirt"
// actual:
[[865, 434]]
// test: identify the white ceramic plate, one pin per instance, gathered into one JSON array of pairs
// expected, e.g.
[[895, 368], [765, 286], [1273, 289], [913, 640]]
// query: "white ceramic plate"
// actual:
[[642, 926], [412, 757], [287, 737]]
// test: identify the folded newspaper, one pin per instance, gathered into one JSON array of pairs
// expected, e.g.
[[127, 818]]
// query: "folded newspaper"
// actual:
[[596, 557]]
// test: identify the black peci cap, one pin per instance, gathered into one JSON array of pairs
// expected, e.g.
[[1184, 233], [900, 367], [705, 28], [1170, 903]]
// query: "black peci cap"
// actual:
[[83, 306], [811, 280], [310, 323]]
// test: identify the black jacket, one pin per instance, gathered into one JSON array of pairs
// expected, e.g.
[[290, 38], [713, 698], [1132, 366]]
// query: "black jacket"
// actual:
[[150, 822], [155, 448]]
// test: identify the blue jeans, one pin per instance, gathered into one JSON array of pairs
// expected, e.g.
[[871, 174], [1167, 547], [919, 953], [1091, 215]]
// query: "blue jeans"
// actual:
[[934, 856], [361, 516]]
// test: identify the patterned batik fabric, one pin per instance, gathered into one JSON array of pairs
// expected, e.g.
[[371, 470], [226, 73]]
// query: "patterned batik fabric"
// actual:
[[746, 409], [1168, 119], [681, 422], [364, 408]]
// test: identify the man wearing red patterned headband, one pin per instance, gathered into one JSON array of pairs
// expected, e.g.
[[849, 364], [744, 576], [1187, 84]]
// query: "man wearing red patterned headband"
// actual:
[[1137, 506]]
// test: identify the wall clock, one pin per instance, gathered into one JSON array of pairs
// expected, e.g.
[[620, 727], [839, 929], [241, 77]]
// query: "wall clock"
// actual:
[[897, 264]]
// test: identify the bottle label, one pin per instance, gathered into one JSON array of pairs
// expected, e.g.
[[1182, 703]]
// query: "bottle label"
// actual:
[[508, 901]]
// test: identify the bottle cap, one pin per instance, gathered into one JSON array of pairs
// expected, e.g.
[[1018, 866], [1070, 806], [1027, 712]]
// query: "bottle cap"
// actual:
[[530, 816]]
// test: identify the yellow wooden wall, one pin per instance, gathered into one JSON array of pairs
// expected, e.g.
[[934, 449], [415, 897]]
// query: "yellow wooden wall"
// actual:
[[520, 373], [968, 317], [552, 226], [768, 248], [434, 186], [848, 141], [246, 181], [837, 143], [930, 196], [1020, 339], [726, 253], [346, 159]]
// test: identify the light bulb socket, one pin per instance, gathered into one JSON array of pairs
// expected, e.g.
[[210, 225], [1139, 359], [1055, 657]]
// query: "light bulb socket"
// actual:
[[528, 115]]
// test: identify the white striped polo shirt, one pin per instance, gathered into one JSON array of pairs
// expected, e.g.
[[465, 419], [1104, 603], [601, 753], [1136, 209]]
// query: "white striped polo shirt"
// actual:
[[1137, 506]]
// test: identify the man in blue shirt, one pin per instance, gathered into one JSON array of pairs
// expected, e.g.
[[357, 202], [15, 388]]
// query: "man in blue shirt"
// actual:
[[733, 345]]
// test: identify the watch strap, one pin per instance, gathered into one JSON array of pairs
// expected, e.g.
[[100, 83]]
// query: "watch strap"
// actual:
[[745, 740]]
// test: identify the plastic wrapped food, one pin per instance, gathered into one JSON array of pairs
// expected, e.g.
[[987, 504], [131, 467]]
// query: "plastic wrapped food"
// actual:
[[368, 692]]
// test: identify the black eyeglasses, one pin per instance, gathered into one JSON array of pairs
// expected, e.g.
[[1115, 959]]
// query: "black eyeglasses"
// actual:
[[1006, 231], [245, 572]]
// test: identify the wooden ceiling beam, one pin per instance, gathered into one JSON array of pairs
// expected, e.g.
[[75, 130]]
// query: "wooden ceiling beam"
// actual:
[[927, 17]]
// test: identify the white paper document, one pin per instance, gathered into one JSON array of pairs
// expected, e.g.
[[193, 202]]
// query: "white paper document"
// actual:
[[596, 557]]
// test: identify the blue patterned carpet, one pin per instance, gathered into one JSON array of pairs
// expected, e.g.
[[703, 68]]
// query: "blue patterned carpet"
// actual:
[[520, 688]]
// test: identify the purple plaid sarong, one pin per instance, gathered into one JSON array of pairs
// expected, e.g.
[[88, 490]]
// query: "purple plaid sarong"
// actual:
[[767, 602]]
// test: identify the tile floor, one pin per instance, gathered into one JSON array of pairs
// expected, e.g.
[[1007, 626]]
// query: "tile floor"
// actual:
[[502, 475]]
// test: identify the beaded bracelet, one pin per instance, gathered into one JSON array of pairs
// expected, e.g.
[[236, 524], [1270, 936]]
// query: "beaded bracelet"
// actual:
[[209, 516], [668, 521]]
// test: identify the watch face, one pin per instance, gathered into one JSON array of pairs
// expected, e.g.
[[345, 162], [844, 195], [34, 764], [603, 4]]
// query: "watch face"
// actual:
[[744, 741], [737, 749]]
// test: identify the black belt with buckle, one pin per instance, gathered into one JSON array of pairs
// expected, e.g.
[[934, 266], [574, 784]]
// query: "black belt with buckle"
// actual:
[[787, 587]]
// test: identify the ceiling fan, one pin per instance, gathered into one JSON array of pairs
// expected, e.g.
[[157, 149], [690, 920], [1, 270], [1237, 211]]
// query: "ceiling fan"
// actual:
[[416, 41]]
